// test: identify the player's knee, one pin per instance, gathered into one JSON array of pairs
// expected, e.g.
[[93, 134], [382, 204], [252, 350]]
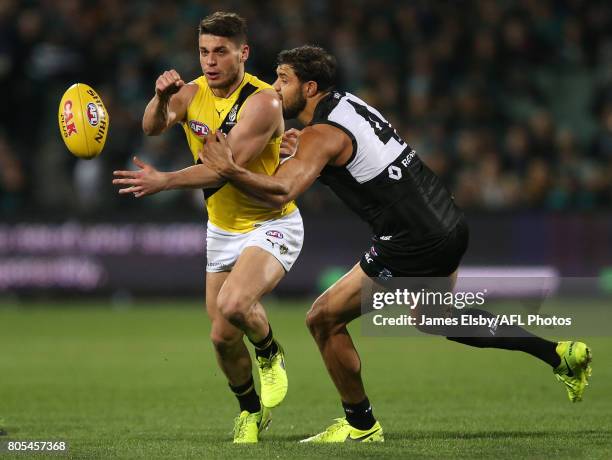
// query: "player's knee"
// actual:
[[311, 320], [318, 321], [234, 307], [221, 343], [224, 340]]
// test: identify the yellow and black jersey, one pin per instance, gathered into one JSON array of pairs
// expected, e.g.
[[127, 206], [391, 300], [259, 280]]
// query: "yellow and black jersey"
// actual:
[[228, 207]]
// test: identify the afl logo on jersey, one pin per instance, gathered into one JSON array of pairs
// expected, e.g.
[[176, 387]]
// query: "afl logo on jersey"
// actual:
[[92, 114], [198, 128], [275, 234]]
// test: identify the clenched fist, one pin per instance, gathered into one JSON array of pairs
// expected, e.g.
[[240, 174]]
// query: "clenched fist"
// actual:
[[168, 83]]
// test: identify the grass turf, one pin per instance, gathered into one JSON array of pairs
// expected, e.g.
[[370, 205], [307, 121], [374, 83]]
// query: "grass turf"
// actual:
[[142, 383]]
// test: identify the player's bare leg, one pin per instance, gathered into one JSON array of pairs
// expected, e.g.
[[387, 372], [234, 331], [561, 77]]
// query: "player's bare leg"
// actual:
[[327, 321], [233, 358], [231, 352], [569, 360], [255, 274]]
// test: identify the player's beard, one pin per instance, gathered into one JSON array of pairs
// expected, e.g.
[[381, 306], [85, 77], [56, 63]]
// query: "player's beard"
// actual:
[[291, 109]]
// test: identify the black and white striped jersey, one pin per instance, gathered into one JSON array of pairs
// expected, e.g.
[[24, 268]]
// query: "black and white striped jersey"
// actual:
[[384, 181]]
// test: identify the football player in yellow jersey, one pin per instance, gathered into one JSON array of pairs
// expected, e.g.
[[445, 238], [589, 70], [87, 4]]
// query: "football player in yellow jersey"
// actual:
[[250, 246]]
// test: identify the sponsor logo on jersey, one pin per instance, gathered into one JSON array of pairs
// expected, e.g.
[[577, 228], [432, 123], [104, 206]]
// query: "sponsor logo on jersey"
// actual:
[[275, 234], [198, 128], [406, 161], [92, 114], [69, 119], [385, 237], [368, 257], [102, 122], [231, 118], [394, 172], [373, 251], [385, 274]]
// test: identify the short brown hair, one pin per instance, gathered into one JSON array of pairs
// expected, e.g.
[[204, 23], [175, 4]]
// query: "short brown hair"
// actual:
[[224, 24], [311, 63]]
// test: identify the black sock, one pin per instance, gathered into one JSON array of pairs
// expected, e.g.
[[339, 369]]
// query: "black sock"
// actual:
[[359, 415], [508, 337], [267, 347], [247, 396]]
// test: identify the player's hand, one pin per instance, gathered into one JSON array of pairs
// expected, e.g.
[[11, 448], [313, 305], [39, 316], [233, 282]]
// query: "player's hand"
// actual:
[[168, 83], [146, 180], [217, 154], [289, 143]]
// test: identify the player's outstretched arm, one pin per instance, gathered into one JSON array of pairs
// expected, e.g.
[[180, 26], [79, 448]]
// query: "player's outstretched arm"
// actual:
[[146, 180], [260, 119], [318, 146]]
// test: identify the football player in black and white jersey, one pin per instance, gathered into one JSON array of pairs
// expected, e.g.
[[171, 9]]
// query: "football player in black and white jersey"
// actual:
[[418, 231]]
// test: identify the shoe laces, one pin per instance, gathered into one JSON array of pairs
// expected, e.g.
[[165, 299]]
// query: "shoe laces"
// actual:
[[239, 427], [340, 423], [265, 365]]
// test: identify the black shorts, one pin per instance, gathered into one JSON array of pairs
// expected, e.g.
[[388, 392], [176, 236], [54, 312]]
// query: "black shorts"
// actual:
[[394, 256]]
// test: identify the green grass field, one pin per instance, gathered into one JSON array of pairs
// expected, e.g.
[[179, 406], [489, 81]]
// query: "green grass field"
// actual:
[[142, 383]]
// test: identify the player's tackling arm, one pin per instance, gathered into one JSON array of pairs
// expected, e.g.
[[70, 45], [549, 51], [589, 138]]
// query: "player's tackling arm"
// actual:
[[292, 178]]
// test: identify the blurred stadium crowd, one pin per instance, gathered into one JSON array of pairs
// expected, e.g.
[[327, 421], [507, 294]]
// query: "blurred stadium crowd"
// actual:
[[509, 101]]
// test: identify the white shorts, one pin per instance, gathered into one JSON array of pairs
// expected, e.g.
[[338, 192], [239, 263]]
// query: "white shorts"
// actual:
[[283, 238]]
